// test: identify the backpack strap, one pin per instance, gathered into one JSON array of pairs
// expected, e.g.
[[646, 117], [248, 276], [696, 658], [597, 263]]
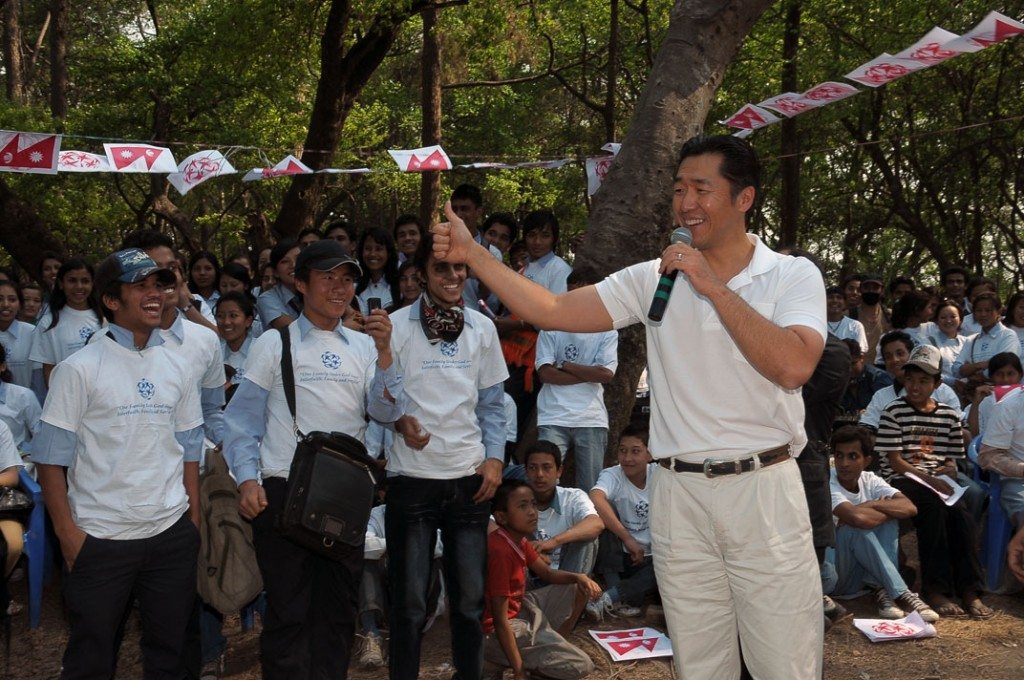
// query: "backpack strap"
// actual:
[[288, 374]]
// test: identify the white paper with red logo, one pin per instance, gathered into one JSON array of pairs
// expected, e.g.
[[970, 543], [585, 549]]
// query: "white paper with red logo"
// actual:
[[289, 165], [82, 161], [140, 158], [426, 159], [198, 168], [933, 48], [912, 627], [789, 104], [612, 148], [827, 93], [993, 29], [751, 117], [949, 499], [29, 152], [633, 644], [883, 69], [597, 169]]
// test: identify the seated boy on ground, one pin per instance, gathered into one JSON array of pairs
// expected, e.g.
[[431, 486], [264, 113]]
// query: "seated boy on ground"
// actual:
[[568, 524], [867, 512], [622, 498], [919, 436], [527, 632]]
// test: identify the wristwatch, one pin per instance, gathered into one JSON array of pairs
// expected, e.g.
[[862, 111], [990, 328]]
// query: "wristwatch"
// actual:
[[186, 308]]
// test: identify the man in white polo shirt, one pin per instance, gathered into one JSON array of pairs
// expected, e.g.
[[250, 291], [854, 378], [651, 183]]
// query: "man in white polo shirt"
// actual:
[[341, 377], [1002, 451], [123, 417], [742, 332]]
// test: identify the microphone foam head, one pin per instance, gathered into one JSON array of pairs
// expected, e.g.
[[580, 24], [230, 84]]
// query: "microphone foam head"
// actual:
[[681, 235]]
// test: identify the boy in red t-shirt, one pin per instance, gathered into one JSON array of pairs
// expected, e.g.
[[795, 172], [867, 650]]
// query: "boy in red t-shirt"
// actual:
[[523, 634]]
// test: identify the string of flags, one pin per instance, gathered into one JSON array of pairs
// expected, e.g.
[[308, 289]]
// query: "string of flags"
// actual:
[[935, 47]]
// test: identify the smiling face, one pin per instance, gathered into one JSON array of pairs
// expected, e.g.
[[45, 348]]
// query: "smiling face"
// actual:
[[9, 305], [32, 302], [852, 293], [633, 456], [835, 306], [49, 270], [77, 285], [375, 256], [895, 355], [919, 386], [702, 201], [407, 238], [139, 306], [164, 258], [445, 281], [326, 295], [410, 284], [539, 242], [285, 269], [232, 323], [948, 320]]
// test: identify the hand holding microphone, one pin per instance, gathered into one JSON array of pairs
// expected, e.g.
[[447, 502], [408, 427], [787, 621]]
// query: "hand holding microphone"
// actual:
[[668, 280]]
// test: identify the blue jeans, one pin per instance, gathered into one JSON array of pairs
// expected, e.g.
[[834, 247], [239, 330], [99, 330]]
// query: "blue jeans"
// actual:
[[589, 446], [1011, 499], [868, 557], [416, 509]]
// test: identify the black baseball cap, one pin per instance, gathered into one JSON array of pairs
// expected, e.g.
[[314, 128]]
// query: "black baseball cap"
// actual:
[[323, 256], [130, 265]]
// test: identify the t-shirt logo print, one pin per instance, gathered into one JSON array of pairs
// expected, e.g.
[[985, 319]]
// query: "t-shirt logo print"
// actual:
[[85, 332], [642, 509], [330, 359], [572, 352], [449, 349], [146, 389]]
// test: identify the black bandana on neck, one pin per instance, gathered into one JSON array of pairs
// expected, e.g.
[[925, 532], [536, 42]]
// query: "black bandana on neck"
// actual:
[[438, 323]]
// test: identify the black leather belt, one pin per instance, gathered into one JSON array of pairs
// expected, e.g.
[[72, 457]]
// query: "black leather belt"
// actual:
[[716, 468]]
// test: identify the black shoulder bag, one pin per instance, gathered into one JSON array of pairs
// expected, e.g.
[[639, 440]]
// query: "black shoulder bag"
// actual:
[[331, 483]]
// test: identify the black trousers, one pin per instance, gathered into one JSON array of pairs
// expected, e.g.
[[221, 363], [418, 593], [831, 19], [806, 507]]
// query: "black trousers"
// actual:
[[160, 572], [312, 601], [945, 541], [814, 473]]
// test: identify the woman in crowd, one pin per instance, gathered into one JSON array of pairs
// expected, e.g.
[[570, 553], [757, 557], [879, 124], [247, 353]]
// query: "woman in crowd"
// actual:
[[945, 335], [15, 335], [1004, 370], [279, 306], [31, 303], [19, 408], [410, 283], [1014, 316], [911, 315], [235, 312], [379, 259], [203, 276], [234, 278]]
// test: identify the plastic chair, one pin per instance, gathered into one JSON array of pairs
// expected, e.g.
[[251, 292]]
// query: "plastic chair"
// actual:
[[997, 524], [37, 549]]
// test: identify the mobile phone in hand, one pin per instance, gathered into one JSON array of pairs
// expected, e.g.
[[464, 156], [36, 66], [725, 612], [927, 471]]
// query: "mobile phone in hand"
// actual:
[[373, 303]]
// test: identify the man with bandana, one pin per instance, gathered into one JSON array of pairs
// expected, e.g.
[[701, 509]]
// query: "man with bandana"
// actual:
[[446, 464]]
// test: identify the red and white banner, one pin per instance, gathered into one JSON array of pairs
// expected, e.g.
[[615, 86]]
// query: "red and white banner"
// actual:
[[29, 152], [789, 104], [597, 168], [883, 69], [751, 117], [933, 48], [633, 644], [198, 168], [993, 29], [425, 159], [289, 165], [140, 158], [82, 161]]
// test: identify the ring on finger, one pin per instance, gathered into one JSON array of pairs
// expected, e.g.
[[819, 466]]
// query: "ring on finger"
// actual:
[[679, 256]]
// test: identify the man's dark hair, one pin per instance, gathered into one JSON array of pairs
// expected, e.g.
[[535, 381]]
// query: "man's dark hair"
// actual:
[[500, 501], [911, 304], [468, 192], [508, 219], [896, 336], [899, 281], [740, 165], [856, 351], [854, 277], [407, 218], [1004, 359], [953, 270], [854, 433], [307, 231], [834, 290], [349, 229], [978, 281], [634, 431], [145, 239], [584, 275], [988, 297], [543, 446], [538, 219]]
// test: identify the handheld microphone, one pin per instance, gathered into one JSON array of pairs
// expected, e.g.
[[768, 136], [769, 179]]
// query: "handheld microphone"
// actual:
[[664, 289]]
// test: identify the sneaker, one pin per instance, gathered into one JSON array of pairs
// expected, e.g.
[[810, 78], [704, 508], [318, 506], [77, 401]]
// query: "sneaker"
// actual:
[[912, 603], [596, 609], [833, 610], [887, 609], [626, 611], [372, 653], [15, 608]]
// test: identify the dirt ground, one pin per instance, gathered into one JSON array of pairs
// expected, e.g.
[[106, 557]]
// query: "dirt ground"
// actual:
[[992, 649]]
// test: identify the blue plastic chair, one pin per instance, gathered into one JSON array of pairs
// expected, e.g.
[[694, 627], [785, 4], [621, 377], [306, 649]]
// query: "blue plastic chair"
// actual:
[[997, 524], [37, 549]]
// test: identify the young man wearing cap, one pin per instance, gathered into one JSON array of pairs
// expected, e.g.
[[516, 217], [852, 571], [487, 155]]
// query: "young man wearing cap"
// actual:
[[123, 418], [922, 437], [340, 377]]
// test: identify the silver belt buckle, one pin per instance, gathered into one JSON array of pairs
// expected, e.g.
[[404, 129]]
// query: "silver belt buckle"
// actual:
[[709, 462]]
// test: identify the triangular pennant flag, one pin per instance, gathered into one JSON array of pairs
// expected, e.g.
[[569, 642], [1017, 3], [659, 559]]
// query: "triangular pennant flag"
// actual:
[[994, 28], [82, 161], [140, 158], [751, 117], [29, 152], [612, 148], [289, 165], [623, 646], [597, 168], [198, 168], [789, 104], [883, 69], [827, 93], [932, 48], [426, 159], [1002, 390]]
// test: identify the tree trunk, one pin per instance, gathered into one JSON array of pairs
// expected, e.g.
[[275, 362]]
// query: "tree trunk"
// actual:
[[630, 220], [613, 73], [58, 63], [789, 203], [23, 234], [430, 97], [13, 63]]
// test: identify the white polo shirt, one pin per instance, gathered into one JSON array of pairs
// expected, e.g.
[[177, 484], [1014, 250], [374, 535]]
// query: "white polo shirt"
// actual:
[[1005, 428], [20, 410], [549, 271], [442, 386], [580, 405], [849, 329], [333, 371], [124, 405], [73, 330], [17, 342], [568, 508], [632, 505], [706, 398]]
